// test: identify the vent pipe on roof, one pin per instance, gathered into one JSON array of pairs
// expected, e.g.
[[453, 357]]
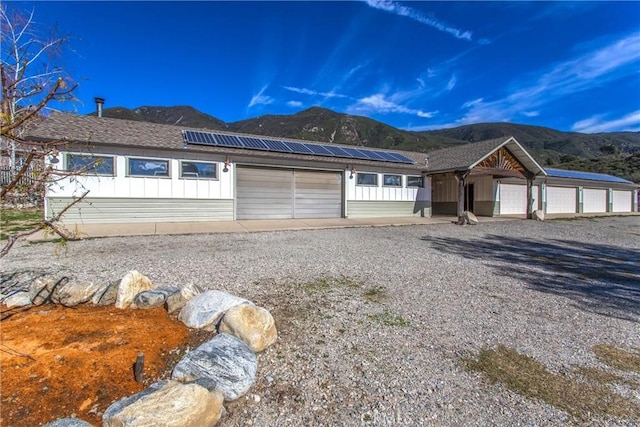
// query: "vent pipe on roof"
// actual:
[[99, 104]]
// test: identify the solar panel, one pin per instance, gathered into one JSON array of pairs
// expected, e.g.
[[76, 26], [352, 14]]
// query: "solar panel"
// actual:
[[254, 143], [234, 141], [274, 145], [318, 149]]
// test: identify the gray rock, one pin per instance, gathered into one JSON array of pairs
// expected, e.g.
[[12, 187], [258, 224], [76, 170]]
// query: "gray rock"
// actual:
[[470, 218], [169, 404], [205, 310], [154, 297], [68, 422], [538, 215], [178, 300], [40, 290], [224, 363], [74, 293], [17, 299], [253, 325], [131, 285], [106, 295]]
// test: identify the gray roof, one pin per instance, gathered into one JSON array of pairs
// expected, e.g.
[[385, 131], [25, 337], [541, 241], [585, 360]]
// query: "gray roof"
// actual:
[[128, 133], [467, 156]]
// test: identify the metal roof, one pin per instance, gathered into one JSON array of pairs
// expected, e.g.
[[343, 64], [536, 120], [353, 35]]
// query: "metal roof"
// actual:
[[467, 156], [591, 176]]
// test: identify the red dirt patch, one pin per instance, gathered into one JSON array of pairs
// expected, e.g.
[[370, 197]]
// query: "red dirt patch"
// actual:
[[59, 361]]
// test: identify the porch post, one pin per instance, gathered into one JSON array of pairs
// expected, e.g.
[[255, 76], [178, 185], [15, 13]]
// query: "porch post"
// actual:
[[461, 177], [529, 195]]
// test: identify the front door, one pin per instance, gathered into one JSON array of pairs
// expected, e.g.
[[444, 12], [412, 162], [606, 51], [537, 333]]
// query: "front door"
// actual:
[[468, 199]]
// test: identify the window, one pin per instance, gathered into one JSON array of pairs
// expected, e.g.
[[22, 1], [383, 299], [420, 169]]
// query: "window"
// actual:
[[98, 165], [415, 181], [148, 167], [392, 180], [197, 170], [367, 178]]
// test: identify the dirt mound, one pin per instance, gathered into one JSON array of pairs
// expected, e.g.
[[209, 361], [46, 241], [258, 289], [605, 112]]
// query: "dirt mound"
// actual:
[[59, 361]]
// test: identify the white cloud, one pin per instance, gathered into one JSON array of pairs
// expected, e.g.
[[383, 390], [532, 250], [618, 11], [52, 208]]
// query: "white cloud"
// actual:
[[597, 123], [398, 9], [379, 104], [260, 98], [586, 71], [420, 82], [472, 103], [294, 104], [305, 91], [451, 83], [531, 113]]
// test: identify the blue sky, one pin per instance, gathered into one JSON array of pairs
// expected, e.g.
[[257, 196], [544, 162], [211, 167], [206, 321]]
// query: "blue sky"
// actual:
[[573, 66]]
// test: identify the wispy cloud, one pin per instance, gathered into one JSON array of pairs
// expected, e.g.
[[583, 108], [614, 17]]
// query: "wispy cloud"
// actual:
[[581, 73], [598, 123], [294, 104], [531, 113], [452, 82], [260, 98], [416, 15], [379, 104], [472, 103], [311, 92]]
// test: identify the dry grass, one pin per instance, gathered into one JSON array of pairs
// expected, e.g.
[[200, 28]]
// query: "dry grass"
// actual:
[[618, 358], [530, 378]]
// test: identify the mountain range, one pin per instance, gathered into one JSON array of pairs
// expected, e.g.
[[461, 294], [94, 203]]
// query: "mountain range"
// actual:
[[614, 152]]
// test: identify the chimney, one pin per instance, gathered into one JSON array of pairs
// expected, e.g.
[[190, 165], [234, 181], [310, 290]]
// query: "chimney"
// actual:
[[99, 104]]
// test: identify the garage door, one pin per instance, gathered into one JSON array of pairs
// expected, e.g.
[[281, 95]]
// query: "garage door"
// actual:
[[622, 201], [513, 199], [561, 199], [270, 193], [594, 201]]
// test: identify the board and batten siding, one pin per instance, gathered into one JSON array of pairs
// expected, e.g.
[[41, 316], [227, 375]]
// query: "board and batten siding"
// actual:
[[105, 210]]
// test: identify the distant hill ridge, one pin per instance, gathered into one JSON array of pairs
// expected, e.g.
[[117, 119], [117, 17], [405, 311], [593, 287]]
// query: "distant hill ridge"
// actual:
[[548, 146]]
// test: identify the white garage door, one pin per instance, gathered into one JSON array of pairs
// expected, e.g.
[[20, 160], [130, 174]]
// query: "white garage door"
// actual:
[[270, 193], [513, 199], [594, 201], [561, 199], [622, 201]]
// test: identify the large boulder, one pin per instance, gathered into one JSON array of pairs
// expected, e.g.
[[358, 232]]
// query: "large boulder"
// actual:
[[224, 363], [131, 285], [178, 300], [74, 293], [538, 215], [205, 310], [168, 404], [107, 294], [17, 299], [68, 422], [40, 290], [154, 297], [253, 325], [470, 218]]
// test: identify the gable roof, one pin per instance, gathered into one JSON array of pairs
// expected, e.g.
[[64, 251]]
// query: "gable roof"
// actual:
[[467, 156], [591, 176]]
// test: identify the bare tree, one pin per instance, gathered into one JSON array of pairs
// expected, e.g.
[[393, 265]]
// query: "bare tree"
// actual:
[[32, 86]]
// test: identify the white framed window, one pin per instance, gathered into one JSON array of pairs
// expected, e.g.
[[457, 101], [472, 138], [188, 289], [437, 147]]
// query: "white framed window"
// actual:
[[147, 167], [415, 181], [367, 178], [198, 170], [90, 164], [389, 180]]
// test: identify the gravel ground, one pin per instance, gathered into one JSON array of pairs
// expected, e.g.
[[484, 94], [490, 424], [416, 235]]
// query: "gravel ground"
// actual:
[[373, 321]]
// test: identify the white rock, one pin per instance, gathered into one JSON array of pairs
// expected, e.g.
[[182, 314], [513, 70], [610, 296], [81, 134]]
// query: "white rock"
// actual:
[[538, 215], [18, 299], [74, 293], [40, 289], [253, 325], [470, 218], [167, 404], [153, 298], [68, 422], [131, 285], [106, 294], [178, 300], [205, 310]]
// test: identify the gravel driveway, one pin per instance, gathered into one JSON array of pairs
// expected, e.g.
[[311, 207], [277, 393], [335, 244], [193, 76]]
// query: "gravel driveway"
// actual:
[[373, 321]]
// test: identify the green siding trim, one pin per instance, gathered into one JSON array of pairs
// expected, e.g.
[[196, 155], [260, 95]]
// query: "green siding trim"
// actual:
[[485, 208], [386, 209], [445, 208], [141, 210]]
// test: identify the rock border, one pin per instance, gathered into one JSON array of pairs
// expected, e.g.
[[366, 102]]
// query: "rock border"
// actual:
[[220, 370]]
